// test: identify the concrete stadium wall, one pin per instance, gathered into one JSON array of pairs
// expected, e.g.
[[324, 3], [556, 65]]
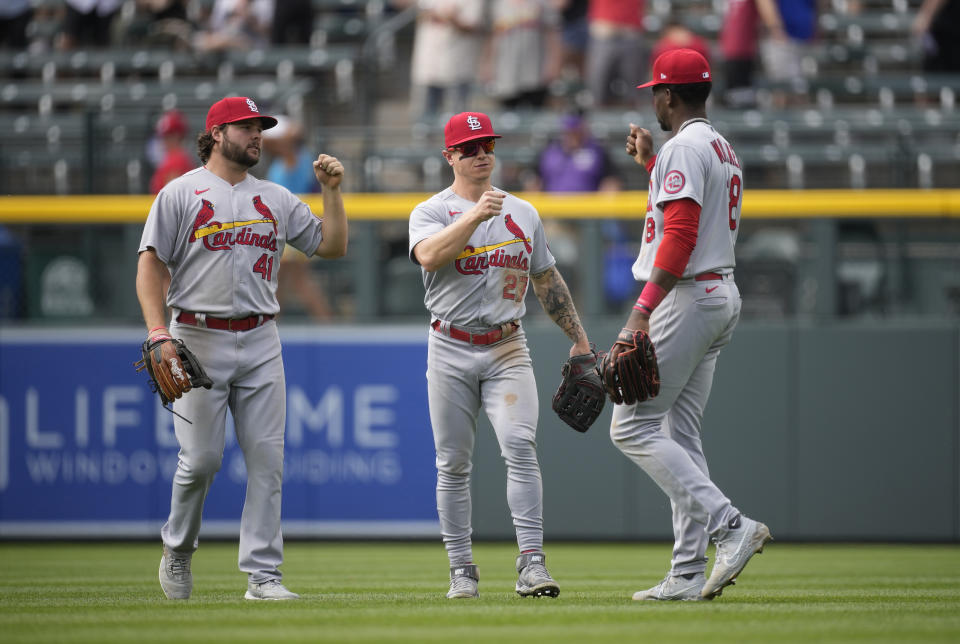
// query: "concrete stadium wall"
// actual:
[[825, 432]]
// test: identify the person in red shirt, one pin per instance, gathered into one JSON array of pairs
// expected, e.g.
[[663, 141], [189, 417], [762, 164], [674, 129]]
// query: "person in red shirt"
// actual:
[[615, 53], [172, 130], [676, 35]]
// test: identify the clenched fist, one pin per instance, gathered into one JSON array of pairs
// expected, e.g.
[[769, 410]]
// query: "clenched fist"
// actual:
[[490, 205], [329, 171], [639, 144]]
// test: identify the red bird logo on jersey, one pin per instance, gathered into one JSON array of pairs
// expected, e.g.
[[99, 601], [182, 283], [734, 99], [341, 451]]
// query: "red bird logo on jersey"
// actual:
[[517, 232], [203, 219], [263, 210]]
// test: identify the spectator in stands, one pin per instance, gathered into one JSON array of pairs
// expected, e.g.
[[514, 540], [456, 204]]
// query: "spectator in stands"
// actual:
[[236, 24], [292, 165], [739, 46], [292, 23], [15, 15], [171, 129], [575, 162], [526, 52], [447, 46], [789, 32], [292, 168], [575, 37], [160, 23], [578, 162], [676, 35], [938, 25], [615, 55], [88, 23]]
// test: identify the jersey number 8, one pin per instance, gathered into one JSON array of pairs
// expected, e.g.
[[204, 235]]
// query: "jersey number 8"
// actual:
[[735, 193]]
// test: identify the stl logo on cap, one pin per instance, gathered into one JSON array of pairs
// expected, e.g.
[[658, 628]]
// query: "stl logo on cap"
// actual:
[[236, 108], [467, 126]]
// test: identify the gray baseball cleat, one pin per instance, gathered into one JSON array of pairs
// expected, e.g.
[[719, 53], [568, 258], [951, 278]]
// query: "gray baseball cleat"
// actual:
[[675, 588], [734, 549], [176, 580], [533, 579], [463, 582], [271, 589]]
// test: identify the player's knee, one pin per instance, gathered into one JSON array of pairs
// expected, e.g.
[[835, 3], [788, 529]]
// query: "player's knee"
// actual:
[[454, 465], [624, 434], [202, 464], [518, 450]]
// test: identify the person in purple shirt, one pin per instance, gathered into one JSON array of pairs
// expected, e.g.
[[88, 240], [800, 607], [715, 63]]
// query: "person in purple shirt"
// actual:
[[577, 162], [574, 162]]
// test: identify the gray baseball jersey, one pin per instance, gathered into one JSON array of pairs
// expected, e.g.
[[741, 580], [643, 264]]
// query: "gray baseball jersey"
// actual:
[[486, 284], [699, 164], [222, 243]]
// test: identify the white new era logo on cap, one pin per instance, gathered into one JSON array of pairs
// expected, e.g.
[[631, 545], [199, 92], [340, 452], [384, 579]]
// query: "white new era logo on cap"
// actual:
[[706, 74], [662, 75]]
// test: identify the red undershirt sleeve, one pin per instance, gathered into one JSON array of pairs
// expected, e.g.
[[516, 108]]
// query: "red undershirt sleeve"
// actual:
[[681, 221]]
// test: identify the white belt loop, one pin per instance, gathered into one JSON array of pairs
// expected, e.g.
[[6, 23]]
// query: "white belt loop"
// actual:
[[201, 320]]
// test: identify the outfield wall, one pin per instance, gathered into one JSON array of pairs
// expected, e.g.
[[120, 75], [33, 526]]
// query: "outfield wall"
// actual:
[[826, 432]]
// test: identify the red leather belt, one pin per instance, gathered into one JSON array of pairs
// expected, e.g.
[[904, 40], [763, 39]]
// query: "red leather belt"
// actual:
[[489, 337], [223, 324], [706, 277]]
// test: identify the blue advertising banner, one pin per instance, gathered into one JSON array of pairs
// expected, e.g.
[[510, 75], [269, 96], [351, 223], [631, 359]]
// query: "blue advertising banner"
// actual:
[[87, 450]]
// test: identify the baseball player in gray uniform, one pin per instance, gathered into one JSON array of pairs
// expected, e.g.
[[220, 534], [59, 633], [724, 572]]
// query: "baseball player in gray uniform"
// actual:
[[690, 305], [210, 251], [479, 248]]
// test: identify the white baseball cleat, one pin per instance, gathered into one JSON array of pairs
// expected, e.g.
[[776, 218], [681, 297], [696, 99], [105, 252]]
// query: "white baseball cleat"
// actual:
[[734, 550], [271, 589], [533, 579], [176, 580], [463, 582], [675, 588]]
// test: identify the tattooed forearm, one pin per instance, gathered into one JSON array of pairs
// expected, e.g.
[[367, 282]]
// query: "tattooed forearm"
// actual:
[[555, 299]]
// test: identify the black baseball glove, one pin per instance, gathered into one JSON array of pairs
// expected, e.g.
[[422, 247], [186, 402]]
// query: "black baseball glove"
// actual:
[[580, 398], [172, 367], [629, 370]]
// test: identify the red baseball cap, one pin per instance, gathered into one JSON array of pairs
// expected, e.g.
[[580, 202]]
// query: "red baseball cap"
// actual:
[[467, 126], [172, 122], [236, 108], [679, 67]]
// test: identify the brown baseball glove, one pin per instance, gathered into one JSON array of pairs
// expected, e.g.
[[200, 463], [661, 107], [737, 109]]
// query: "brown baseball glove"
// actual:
[[172, 367], [629, 370]]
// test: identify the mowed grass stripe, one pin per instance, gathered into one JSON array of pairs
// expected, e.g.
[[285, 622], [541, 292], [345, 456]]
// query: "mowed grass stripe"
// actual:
[[394, 592]]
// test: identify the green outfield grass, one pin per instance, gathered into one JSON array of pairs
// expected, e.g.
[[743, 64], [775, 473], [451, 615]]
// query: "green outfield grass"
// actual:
[[393, 592]]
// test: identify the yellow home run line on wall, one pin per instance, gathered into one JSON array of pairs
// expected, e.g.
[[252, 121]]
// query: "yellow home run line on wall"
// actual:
[[757, 204]]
